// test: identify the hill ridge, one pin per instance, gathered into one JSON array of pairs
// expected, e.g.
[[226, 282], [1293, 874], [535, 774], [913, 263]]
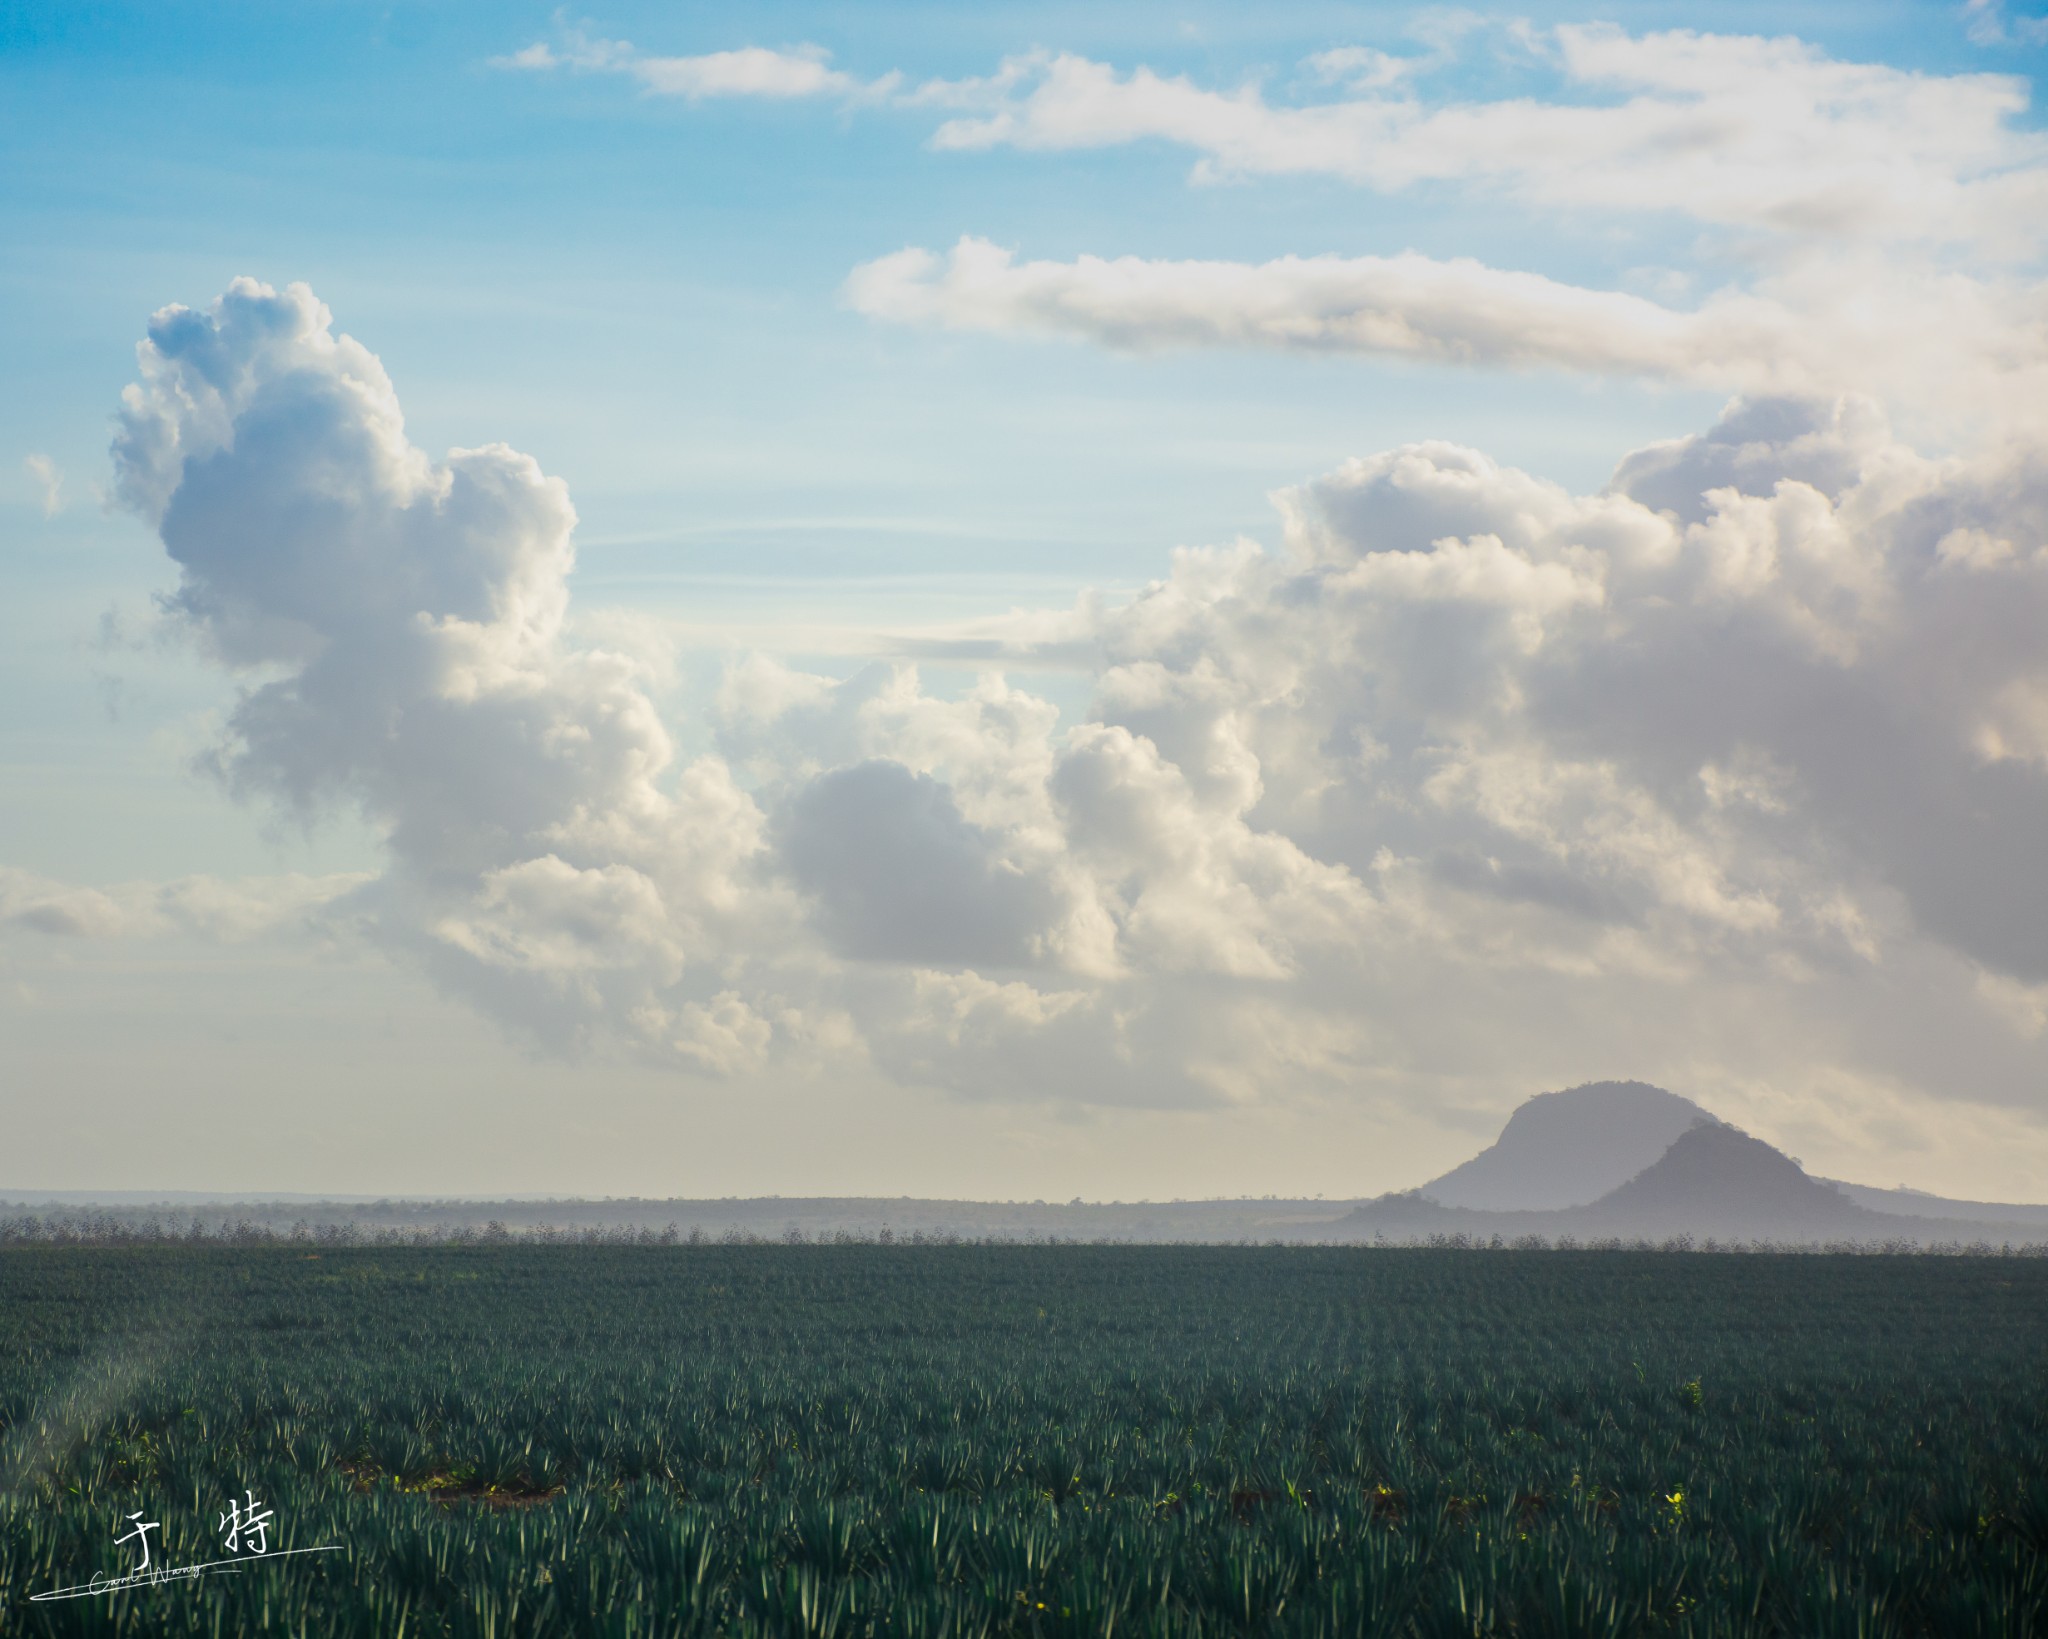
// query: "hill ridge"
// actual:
[[1569, 1148]]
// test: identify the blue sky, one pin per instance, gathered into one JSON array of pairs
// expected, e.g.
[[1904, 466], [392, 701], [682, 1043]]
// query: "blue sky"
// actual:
[[649, 295]]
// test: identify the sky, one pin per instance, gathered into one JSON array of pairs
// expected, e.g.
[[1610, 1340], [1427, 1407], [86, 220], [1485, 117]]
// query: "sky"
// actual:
[[1016, 602]]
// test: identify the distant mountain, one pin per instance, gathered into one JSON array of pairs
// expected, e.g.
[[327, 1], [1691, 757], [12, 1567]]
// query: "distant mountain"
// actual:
[[1625, 1160], [1568, 1149], [1716, 1180]]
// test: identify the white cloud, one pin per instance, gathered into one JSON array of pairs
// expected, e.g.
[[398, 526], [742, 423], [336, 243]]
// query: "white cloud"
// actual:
[[537, 56], [1982, 362], [1861, 228], [750, 71], [2022, 1007], [547, 916], [900, 874], [49, 483], [722, 1037], [1988, 25], [197, 906], [1360, 68], [1184, 882], [1560, 671], [408, 615], [1741, 132], [1468, 777], [1407, 305], [1769, 139]]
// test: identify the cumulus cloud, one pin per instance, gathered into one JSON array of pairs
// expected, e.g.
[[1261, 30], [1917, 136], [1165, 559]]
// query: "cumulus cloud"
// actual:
[[406, 617], [1732, 693], [1466, 775], [901, 875]]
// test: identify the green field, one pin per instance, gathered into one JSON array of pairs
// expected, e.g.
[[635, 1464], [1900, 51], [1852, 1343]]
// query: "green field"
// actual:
[[512, 1440]]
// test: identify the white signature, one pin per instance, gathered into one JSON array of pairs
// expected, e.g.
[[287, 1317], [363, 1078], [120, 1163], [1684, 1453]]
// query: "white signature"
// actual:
[[246, 1536]]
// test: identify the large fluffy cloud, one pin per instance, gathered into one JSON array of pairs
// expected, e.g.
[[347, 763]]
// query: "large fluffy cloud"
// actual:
[[1739, 762], [404, 618], [1777, 675]]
